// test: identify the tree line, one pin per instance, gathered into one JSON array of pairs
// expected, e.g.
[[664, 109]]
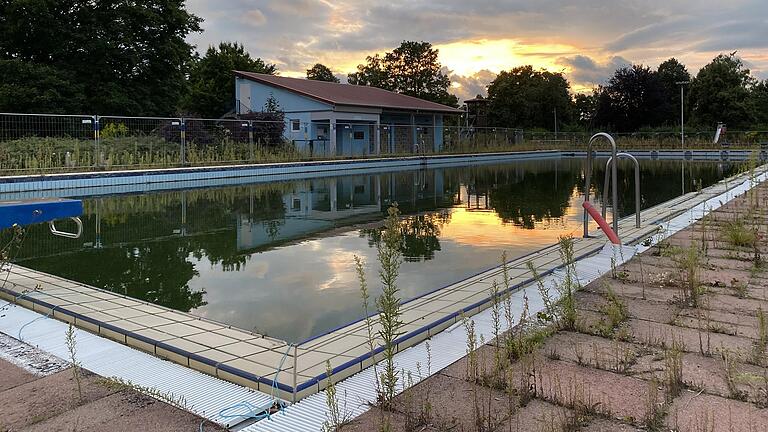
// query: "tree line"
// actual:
[[634, 98], [132, 58]]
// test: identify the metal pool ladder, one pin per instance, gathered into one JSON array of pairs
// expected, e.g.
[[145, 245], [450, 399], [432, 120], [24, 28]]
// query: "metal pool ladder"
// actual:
[[614, 183], [637, 186]]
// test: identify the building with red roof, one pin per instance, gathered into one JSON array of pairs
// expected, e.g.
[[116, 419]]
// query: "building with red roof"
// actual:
[[344, 119]]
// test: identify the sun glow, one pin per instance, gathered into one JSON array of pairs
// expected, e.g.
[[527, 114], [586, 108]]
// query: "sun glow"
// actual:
[[468, 57]]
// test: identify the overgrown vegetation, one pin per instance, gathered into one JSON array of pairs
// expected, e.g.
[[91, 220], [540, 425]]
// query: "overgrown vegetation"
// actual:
[[77, 375], [614, 313], [737, 234], [388, 303], [337, 416], [170, 398], [688, 262], [388, 308]]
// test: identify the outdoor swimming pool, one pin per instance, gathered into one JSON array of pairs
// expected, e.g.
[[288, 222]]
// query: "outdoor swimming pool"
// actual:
[[278, 258]]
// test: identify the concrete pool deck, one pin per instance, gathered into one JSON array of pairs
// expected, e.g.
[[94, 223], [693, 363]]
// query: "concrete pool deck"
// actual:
[[253, 360]]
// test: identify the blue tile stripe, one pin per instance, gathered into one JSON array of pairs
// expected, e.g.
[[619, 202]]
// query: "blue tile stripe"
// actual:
[[86, 179]]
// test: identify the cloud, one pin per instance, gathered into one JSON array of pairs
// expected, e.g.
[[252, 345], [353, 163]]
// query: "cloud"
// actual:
[[590, 37], [254, 17], [467, 87], [584, 71]]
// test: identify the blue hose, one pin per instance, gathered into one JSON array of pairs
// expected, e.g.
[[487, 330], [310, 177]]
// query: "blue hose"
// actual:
[[48, 315], [247, 410]]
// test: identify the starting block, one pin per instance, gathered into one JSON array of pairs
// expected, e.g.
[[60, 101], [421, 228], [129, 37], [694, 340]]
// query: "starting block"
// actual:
[[28, 212]]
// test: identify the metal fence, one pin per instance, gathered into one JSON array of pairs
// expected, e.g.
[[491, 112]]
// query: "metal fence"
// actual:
[[40, 143]]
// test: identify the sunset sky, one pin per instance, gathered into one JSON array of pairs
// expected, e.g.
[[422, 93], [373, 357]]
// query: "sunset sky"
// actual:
[[586, 39]]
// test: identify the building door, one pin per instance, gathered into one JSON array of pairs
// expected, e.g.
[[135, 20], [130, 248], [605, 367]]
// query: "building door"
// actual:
[[244, 105], [359, 139]]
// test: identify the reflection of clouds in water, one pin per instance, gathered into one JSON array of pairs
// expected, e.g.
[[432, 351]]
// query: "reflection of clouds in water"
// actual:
[[306, 287], [257, 268]]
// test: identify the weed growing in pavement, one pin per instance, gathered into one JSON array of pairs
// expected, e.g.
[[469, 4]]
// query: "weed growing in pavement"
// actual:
[[740, 288], [387, 304], [360, 270], [654, 409], [551, 312], [472, 365], [730, 375], [337, 416], [388, 253], [496, 319], [737, 234], [762, 337], [673, 369], [180, 402], [569, 285], [71, 343], [614, 314], [688, 261]]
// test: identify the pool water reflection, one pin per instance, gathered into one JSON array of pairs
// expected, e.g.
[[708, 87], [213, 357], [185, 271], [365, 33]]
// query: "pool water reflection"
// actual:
[[279, 258]]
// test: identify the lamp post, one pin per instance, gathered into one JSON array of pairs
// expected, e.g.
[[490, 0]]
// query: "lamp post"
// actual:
[[682, 114], [555, 111], [682, 131]]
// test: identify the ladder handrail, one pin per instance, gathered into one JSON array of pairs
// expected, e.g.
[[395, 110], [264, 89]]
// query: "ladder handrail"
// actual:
[[588, 179], [637, 186]]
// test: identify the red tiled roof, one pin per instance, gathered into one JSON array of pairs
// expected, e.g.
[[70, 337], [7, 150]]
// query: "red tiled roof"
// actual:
[[347, 94]]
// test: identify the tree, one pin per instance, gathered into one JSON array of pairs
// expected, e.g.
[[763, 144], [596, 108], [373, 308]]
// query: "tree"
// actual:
[[720, 93], [373, 73], [415, 70], [412, 69], [631, 100], [32, 87], [759, 102], [129, 57], [670, 73], [211, 82], [272, 105], [527, 98], [585, 108], [321, 72]]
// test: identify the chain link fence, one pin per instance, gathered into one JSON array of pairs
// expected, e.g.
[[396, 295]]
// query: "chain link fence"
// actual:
[[43, 143]]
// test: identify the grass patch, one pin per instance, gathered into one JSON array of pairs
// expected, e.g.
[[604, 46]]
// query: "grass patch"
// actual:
[[737, 234]]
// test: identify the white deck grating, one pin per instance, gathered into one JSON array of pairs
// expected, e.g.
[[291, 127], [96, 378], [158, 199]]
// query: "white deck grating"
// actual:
[[204, 395]]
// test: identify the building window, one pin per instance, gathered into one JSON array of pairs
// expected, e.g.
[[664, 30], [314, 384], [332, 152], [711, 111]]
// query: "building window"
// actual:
[[322, 132], [296, 204], [358, 135], [295, 125]]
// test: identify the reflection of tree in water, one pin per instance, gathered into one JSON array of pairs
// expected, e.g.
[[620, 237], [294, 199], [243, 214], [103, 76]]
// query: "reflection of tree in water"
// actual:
[[156, 272], [659, 180], [142, 257], [273, 227], [420, 235], [537, 196]]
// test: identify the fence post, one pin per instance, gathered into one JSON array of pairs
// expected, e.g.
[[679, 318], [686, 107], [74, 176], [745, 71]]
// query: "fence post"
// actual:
[[250, 139], [183, 128], [295, 367], [96, 139]]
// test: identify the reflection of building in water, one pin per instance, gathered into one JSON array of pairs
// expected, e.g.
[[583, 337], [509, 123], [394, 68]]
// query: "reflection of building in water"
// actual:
[[312, 207], [320, 205], [475, 199]]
